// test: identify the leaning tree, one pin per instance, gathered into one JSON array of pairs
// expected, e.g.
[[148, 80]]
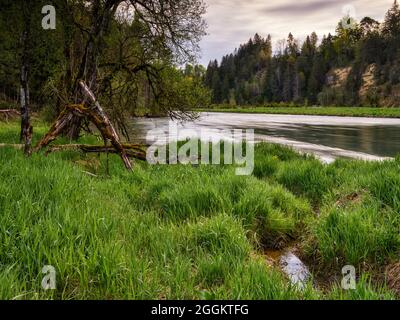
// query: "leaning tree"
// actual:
[[109, 47]]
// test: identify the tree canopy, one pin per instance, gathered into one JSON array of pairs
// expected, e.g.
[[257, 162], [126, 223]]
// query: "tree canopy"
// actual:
[[125, 50], [309, 72]]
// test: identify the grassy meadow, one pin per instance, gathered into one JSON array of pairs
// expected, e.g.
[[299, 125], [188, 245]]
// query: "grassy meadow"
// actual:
[[312, 111], [186, 232]]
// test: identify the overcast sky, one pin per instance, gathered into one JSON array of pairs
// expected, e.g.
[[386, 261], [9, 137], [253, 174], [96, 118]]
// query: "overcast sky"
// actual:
[[232, 22]]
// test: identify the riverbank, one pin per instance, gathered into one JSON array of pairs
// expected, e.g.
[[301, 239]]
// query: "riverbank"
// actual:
[[183, 232], [316, 111]]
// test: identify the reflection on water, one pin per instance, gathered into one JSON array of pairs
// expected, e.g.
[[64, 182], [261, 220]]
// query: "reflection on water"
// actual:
[[375, 140], [327, 137]]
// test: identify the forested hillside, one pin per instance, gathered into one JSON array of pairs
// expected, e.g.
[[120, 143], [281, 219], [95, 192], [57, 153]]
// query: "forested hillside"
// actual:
[[358, 65]]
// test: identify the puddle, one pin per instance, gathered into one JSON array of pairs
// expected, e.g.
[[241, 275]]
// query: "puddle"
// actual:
[[295, 269], [291, 266]]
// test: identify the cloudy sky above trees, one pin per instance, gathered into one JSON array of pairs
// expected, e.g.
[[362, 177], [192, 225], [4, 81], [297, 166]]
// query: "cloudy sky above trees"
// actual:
[[232, 22]]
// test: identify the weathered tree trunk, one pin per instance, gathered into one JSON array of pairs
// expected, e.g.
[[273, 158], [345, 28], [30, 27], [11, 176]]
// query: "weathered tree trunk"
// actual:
[[26, 128], [56, 129], [96, 115], [8, 113], [84, 88], [102, 122], [131, 150], [100, 20]]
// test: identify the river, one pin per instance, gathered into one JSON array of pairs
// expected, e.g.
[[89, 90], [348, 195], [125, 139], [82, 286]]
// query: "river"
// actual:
[[327, 137]]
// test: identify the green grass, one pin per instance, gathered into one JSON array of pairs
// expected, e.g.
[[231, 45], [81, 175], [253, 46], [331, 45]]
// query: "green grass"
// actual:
[[315, 111], [183, 232]]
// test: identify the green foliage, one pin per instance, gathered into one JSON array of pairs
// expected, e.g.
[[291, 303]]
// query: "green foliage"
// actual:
[[332, 96], [183, 90], [45, 49], [134, 63], [184, 232], [309, 178], [279, 108], [386, 190], [364, 291], [356, 235], [300, 73]]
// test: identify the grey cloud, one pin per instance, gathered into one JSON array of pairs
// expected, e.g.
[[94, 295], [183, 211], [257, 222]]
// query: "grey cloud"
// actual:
[[232, 22], [305, 7]]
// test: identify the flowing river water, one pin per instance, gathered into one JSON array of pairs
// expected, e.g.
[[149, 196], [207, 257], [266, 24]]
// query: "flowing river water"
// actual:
[[327, 137]]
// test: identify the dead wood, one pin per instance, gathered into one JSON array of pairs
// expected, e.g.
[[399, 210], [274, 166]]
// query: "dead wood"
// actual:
[[132, 151], [56, 129], [103, 123], [95, 114], [16, 146], [6, 114]]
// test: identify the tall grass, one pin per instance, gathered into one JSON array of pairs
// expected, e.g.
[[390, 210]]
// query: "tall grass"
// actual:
[[184, 232]]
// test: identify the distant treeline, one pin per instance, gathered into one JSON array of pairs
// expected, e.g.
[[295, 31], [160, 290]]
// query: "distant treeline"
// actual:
[[359, 65]]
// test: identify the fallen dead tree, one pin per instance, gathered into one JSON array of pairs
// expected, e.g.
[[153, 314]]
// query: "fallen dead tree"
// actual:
[[132, 151], [9, 113], [96, 115], [15, 146]]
